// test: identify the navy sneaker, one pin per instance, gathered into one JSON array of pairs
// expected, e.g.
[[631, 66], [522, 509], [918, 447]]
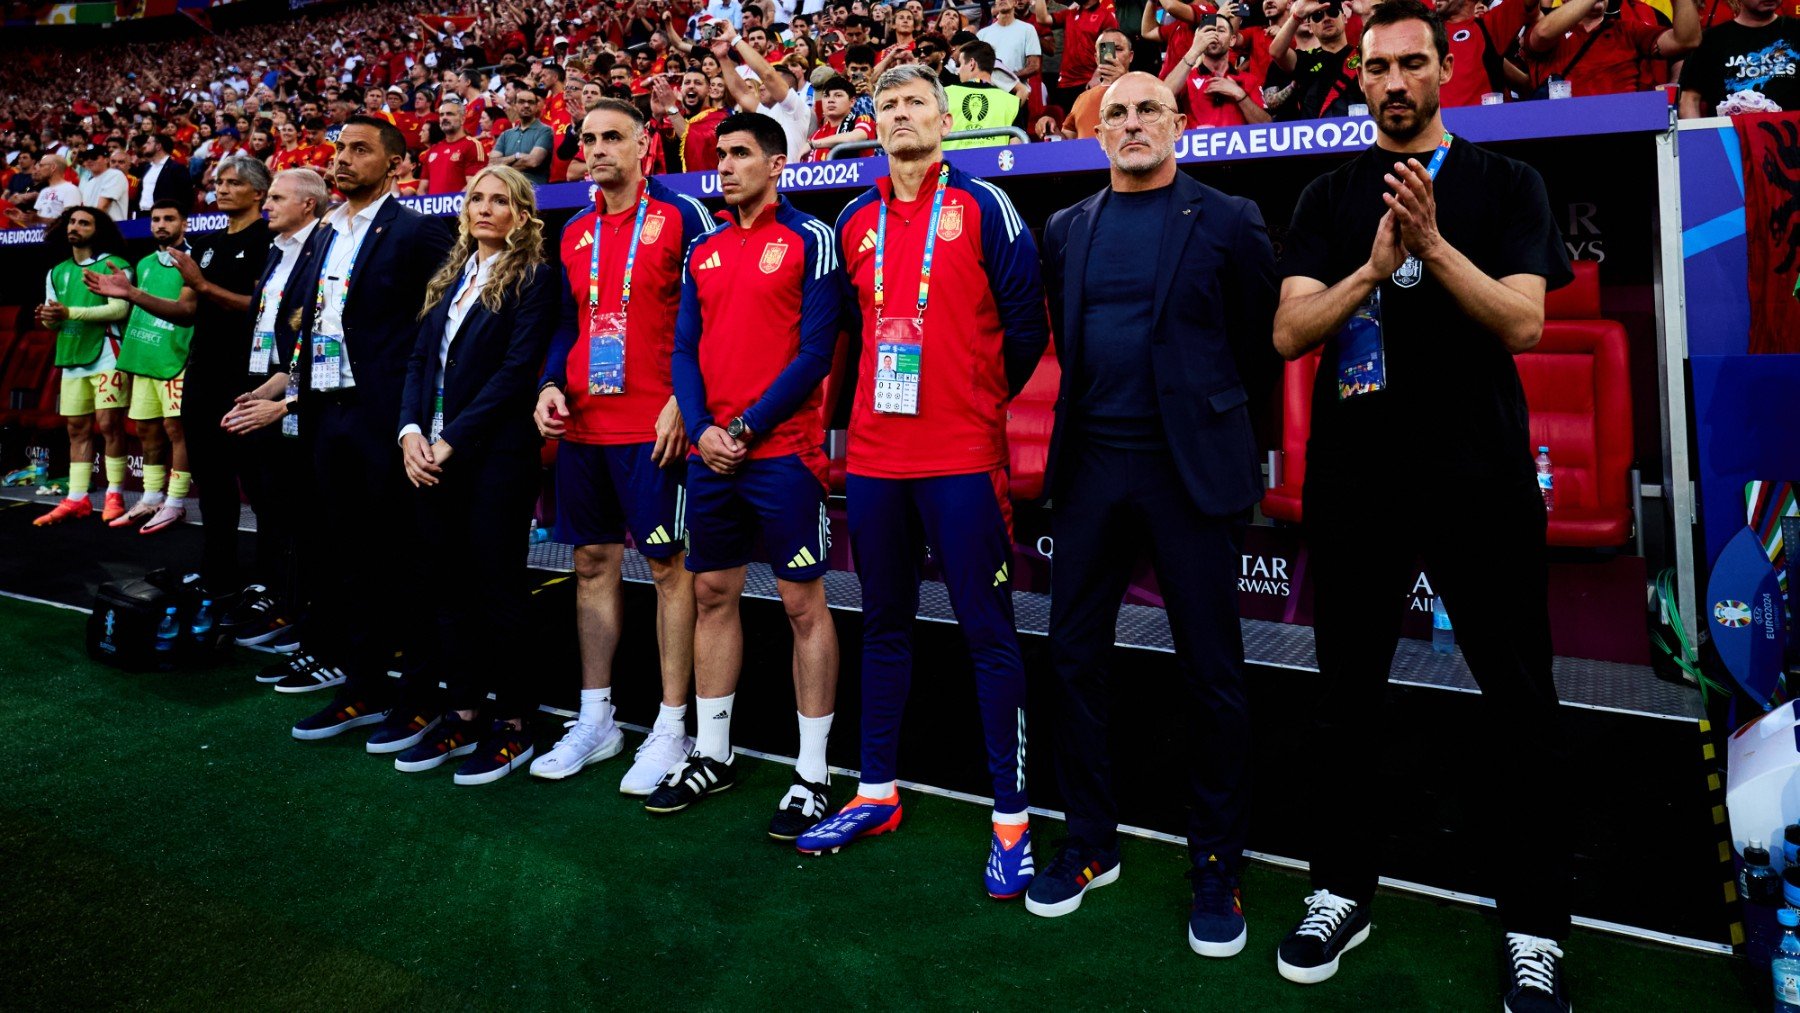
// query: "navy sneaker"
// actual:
[[697, 777], [1537, 982], [1332, 927], [451, 737], [1075, 870], [1216, 926], [404, 728], [500, 750], [341, 715]]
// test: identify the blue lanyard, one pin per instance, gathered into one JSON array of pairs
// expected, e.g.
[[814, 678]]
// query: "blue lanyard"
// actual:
[[1437, 157], [637, 230], [937, 209]]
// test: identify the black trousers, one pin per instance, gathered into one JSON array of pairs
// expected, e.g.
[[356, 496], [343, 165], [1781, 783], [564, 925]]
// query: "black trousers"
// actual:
[[1108, 504], [264, 468], [1484, 552], [474, 528], [359, 549]]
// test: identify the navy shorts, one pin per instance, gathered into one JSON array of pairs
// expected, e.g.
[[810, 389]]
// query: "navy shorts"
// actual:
[[778, 496], [603, 492]]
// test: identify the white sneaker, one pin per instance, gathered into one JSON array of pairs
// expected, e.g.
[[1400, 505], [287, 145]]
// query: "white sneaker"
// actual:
[[581, 745], [663, 750]]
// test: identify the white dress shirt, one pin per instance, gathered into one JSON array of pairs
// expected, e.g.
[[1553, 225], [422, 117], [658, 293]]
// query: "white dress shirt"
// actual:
[[350, 233], [462, 301], [287, 248], [147, 191]]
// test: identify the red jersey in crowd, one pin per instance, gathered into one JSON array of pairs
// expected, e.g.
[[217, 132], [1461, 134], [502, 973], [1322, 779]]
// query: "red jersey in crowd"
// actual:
[[1177, 37], [1469, 79], [781, 272], [1081, 29], [671, 222], [472, 116], [984, 325], [849, 125], [315, 155], [1609, 66], [700, 148], [1216, 110], [449, 164]]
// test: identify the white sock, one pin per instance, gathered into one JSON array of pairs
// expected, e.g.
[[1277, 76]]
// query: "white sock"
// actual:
[[175, 502], [813, 734], [672, 717], [885, 789], [1017, 819], [153, 498], [596, 706], [712, 716]]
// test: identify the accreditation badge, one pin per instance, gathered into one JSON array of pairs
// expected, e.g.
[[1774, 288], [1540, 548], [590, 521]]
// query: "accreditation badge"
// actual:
[[898, 342], [606, 354], [262, 349], [437, 417], [1362, 357], [290, 423], [328, 362]]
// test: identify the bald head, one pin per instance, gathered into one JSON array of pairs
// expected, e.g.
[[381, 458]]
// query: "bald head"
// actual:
[[1138, 126]]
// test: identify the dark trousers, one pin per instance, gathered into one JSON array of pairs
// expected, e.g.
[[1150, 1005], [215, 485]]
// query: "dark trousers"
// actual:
[[1484, 552], [1110, 504], [474, 528], [358, 548], [263, 468]]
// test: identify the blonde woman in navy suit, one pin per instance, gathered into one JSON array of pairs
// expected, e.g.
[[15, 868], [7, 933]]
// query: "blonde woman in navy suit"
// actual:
[[471, 452]]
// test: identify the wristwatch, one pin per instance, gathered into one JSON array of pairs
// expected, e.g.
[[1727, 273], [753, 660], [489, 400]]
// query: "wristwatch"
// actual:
[[736, 428]]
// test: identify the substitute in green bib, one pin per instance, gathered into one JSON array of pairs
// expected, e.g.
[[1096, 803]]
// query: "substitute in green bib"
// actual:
[[87, 350], [978, 103], [154, 354]]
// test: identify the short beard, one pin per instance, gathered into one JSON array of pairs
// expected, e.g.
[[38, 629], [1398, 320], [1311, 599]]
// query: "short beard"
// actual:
[[1422, 115]]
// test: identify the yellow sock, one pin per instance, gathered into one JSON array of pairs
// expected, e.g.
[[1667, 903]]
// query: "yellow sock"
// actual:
[[178, 484], [156, 476], [81, 475], [115, 473]]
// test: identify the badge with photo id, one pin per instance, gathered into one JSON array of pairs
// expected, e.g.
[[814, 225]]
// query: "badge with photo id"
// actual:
[[1362, 358], [606, 354], [262, 349], [437, 417], [290, 423], [328, 363], [898, 344]]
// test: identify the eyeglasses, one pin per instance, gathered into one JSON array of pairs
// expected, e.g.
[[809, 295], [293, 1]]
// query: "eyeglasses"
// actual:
[[1149, 113], [1327, 12]]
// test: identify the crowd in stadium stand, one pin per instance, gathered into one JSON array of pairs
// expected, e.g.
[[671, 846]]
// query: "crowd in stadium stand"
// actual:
[[502, 82]]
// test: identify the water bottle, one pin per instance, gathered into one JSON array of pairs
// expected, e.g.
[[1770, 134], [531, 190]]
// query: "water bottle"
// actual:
[[1785, 968], [168, 633], [538, 534], [1443, 639], [1546, 480], [202, 626], [1790, 846], [1761, 889]]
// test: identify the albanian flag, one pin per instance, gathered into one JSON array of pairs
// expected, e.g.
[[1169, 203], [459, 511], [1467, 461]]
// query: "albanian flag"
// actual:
[[1770, 143]]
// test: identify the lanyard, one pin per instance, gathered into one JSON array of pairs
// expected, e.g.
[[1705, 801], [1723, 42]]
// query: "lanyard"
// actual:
[[262, 300], [937, 208], [630, 255], [1437, 157], [349, 269]]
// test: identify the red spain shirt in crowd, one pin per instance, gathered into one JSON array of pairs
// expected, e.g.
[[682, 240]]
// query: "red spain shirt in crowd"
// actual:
[[1081, 29], [449, 164], [671, 222]]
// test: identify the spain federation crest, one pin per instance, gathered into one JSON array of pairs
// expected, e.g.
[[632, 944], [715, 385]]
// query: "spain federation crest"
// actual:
[[950, 223], [772, 256], [653, 226], [1409, 273]]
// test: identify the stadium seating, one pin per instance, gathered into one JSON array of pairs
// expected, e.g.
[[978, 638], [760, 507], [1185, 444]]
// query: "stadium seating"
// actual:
[[1029, 420], [1282, 502]]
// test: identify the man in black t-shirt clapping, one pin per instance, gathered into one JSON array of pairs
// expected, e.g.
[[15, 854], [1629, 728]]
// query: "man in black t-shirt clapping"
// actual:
[[1421, 268]]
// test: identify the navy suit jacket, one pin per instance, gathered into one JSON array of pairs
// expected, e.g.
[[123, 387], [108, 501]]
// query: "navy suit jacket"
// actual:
[[1212, 344], [490, 378], [402, 251]]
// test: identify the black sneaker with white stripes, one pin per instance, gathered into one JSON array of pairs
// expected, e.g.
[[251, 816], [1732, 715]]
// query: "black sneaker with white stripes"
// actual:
[[1537, 982], [1332, 926], [801, 809], [697, 777], [248, 614], [295, 664], [308, 677]]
